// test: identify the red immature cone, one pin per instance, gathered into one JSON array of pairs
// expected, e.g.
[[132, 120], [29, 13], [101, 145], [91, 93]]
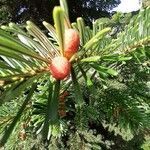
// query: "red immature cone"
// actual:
[[60, 67], [72, 42]]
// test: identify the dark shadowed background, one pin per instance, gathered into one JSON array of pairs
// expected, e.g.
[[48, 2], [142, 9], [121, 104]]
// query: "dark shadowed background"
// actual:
[[39, 10]]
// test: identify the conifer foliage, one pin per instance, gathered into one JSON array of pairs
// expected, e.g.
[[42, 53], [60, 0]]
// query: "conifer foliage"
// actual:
[[52, 101]]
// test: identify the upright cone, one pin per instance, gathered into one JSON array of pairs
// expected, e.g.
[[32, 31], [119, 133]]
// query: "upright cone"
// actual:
[[72, 42], [60, 67]]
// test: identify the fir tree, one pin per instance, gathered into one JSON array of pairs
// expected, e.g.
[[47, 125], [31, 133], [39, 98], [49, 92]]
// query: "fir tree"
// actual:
[[104, 101]]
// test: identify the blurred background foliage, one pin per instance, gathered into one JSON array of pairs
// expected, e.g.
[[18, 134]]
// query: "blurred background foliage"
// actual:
[[20, 11]]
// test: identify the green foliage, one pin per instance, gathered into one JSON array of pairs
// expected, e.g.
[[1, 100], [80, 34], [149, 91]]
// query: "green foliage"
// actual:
[[146, 144], [107, 91], [146, 3]]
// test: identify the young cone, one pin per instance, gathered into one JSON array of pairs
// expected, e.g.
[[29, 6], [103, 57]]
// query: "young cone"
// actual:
[[72, 42], [60, 67]]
